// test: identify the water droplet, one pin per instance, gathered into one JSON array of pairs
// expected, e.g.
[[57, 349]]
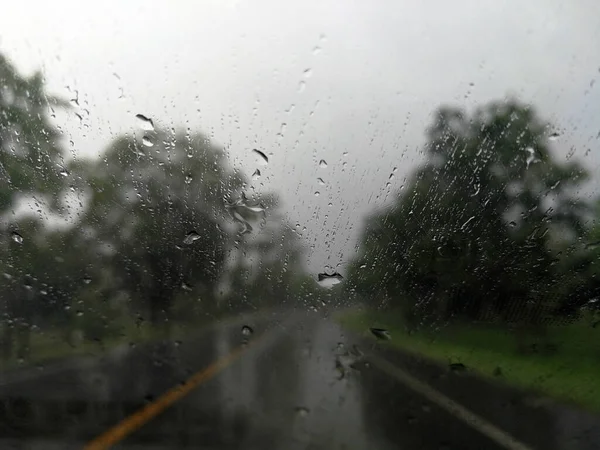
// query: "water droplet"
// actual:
[[356, 351], [316, 50], [329, 279], [256, 174], [554, 136], [238, 207], [87, 280], [16, 237], [282, 129], [381, 334], [317, 193], [512, 224], [301, 86], [411, 420], [144, 122], [531, 158], [147, 141], [307, 73], [246, 228], [323, 164], [247, 330], [79, 313], [188, 179], [191, 237], [64, 173], [592, 244], [320, 181], [256, 208], [469, 220], [186, 287], [457, 367], [262, 157], [302, 411]]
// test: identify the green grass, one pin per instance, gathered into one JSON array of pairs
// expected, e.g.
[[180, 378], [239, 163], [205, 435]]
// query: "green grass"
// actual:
[[570, 375], [47, 346], [50, 345]]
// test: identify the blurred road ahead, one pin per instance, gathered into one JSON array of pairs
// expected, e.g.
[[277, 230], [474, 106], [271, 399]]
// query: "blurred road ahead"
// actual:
[[289, 381]]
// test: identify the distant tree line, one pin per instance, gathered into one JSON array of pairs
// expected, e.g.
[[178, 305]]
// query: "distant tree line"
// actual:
[[161, 229], [491, 226]]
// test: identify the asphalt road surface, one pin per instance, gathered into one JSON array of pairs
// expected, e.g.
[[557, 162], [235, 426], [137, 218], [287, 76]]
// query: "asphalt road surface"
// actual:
[[298, 381]]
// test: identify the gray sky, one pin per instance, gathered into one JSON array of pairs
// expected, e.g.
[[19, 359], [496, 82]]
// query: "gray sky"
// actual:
[[344, 76]]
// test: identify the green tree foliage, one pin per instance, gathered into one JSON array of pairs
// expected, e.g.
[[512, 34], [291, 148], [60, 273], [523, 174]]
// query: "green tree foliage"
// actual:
[[173, 226], [580, 283], [163, 230], [478, 229], [32, 160], [155, 217], [31, 164]]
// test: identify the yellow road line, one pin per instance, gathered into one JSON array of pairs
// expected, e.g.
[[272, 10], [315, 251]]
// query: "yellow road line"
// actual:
[[148, 412]]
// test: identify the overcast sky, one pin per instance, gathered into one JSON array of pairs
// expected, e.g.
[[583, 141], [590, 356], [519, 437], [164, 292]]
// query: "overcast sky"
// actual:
[[343, 76]]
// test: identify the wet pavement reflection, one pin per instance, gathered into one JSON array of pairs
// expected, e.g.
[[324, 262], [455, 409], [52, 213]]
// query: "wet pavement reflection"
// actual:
[[302, 383]]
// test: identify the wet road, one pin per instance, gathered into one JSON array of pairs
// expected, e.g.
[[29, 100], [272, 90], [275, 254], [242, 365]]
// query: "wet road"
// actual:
[[301, 382]]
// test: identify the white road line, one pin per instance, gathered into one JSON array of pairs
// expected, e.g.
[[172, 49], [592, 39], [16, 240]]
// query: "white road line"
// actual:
[[467, 416]]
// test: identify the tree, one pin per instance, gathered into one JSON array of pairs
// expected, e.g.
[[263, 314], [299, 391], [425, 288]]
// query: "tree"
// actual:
[[474, 233], [162, 225], [32, 159], [31, 165], [579, 284], [156, 217]]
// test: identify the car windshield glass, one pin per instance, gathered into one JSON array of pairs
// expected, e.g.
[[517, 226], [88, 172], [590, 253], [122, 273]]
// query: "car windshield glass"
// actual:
[[301, 225]]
